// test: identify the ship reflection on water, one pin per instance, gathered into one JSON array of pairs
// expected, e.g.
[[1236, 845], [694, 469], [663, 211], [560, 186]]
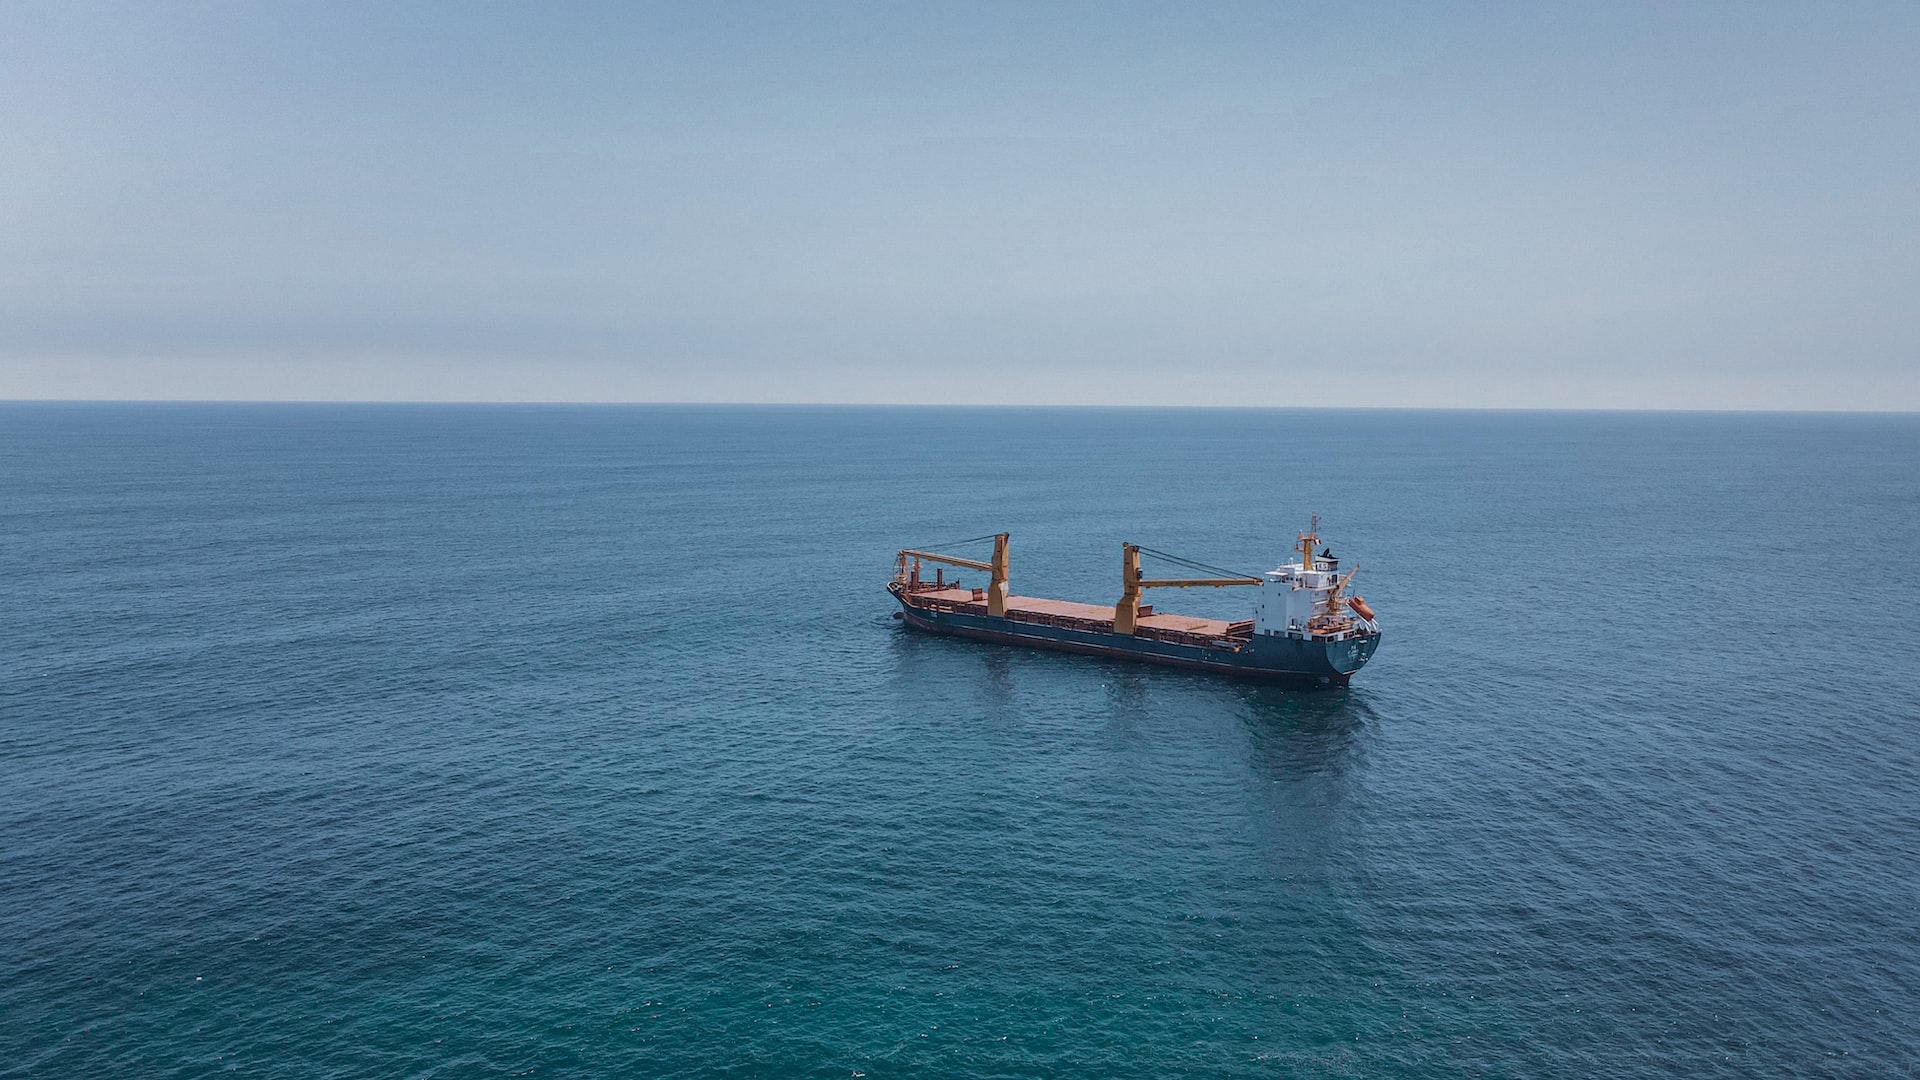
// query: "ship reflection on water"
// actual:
[[1284, 733], [1306, 731]]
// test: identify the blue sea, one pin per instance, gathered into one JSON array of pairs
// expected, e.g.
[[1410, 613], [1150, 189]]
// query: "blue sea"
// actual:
[[448, 741]]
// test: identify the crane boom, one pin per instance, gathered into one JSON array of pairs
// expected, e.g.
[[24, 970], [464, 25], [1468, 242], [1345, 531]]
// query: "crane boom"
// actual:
[[1126, 613], [950, 560]]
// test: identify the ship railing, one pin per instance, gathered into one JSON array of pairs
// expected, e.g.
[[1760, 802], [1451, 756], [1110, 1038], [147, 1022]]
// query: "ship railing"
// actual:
[[945, 605], [1064, 622], [1187, 637], [1092, 626], [934, 586]]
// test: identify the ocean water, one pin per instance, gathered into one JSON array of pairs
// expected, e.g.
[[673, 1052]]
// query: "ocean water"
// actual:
[[378, 741]]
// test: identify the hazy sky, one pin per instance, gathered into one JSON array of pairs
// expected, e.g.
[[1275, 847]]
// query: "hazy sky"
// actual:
[[1669, 205]]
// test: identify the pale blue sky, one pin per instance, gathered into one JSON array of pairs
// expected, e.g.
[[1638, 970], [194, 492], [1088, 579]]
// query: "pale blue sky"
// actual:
[[1573, 205]]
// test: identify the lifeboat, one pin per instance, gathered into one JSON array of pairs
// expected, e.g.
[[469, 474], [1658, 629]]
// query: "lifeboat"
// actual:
[[1360, 608]]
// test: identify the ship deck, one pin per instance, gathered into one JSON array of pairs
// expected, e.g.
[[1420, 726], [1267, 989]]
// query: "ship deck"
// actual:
[[1038, 609]]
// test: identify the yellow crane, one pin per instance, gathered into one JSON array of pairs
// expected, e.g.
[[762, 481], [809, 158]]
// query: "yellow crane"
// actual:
[[1126, 613], [996, 570]]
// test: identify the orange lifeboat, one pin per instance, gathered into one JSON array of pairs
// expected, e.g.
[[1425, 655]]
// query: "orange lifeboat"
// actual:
[[1360, 608]]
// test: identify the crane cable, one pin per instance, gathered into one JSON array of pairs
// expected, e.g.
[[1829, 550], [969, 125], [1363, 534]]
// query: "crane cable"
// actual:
[[955, 543], [1190, 564]]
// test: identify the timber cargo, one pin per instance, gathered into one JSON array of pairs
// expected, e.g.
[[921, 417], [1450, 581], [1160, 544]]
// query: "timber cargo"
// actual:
[[1304, 631]]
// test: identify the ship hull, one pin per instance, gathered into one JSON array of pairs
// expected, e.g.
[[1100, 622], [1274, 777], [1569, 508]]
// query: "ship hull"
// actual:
[[1313, 662]]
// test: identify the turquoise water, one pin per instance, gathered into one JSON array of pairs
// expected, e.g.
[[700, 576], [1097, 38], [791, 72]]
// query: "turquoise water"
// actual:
[[447, 741]]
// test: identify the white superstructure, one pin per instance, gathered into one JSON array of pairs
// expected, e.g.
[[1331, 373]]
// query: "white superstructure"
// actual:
[[1290, 599], [1303, 599]]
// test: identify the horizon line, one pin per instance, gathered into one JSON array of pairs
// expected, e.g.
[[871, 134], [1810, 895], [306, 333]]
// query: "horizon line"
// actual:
[[458, 402]]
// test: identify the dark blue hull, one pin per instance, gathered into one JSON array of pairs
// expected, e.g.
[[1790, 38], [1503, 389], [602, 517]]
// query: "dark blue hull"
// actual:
[[1266, 657]]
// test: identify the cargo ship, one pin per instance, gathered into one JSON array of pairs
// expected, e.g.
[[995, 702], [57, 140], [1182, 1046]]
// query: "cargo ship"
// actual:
[[1305, 629]]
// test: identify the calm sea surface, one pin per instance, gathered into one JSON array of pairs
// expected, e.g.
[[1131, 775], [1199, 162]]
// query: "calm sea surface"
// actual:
[[454, 741]]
